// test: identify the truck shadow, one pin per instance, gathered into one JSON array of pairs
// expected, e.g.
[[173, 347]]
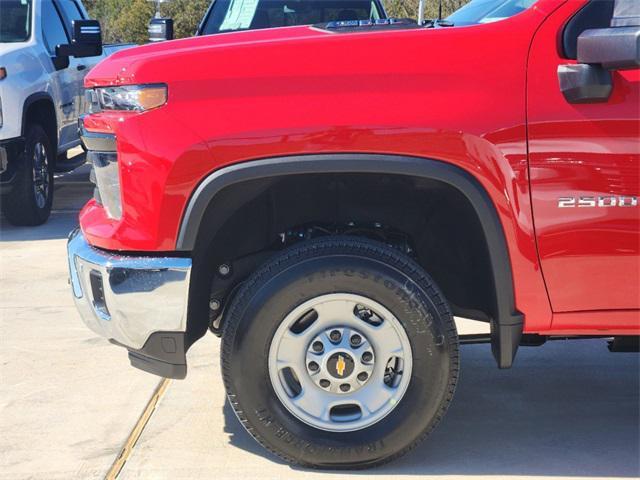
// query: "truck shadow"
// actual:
[[72, 190], [240, 438], [568, 408], [58, 227]]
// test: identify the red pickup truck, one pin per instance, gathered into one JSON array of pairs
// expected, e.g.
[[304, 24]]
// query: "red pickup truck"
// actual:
[[327, 197]]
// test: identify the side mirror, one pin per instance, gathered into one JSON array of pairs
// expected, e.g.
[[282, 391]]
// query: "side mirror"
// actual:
[[611, 48], [60, 63], [160, 29], [599, 51], [86, 40]]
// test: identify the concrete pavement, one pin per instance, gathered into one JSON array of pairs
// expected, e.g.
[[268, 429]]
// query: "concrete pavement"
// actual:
[[568, 409], [69, 400]]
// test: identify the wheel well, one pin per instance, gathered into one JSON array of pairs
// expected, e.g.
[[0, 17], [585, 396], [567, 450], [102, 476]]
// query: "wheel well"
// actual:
[[430, 220], [240, 215], [42, 112]]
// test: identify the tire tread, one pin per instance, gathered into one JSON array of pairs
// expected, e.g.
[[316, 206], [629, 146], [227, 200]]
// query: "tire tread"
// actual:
[[356, 246], [18, 205]]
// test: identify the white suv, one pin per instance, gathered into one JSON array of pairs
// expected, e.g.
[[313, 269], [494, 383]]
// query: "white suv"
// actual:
[[46, 49]]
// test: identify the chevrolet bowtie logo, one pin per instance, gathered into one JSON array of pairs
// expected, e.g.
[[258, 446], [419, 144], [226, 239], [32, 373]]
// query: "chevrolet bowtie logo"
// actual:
[[340, 365]]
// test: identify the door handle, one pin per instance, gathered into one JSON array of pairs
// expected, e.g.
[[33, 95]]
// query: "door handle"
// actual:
[[81, 67]]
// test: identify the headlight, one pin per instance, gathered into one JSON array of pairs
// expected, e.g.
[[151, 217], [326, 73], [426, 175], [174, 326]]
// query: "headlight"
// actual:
[[132, 97]]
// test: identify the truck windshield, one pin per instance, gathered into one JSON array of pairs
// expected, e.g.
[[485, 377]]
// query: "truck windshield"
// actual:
[[487, 11], [15, 20], [231, 15]]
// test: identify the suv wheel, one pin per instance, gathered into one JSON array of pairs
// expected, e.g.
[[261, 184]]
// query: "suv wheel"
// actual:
[[339, 353], [30, 200]]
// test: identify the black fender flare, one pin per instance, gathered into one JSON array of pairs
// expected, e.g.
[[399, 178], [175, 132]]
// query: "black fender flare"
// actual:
[[30, 100], [506, 329]]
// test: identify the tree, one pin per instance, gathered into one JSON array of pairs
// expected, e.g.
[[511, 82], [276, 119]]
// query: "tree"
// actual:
[[409, 8], [186, 14], [128, 20], [132, 22], [107, 12], [122, 21]]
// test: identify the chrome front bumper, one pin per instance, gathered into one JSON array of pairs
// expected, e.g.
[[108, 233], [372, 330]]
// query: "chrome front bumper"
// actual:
[[128, 299]]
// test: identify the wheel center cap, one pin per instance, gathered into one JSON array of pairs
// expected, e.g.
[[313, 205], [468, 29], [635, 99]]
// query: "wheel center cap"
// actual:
[[340, 365]]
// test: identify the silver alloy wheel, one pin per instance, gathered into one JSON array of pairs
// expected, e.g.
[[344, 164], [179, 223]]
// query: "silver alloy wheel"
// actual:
[[340, 362], [40, 174]]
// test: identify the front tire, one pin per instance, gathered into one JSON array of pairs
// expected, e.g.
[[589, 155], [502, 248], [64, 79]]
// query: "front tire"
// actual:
[[30, 200], [352, 402]]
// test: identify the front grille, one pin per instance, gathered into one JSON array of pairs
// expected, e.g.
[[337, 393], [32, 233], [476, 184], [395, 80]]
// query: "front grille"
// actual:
[[106, 177], [96, 191], [105, 174]]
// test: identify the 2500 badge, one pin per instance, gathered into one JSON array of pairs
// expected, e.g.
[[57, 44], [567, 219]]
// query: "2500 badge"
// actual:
[[598, 201]]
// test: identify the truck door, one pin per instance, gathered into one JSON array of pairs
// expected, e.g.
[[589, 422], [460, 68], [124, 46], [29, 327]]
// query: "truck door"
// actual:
[[71, 10], [62, 79], [584, 159]]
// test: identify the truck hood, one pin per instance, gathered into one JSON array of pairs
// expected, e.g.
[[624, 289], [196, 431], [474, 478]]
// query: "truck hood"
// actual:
[[125, 66]]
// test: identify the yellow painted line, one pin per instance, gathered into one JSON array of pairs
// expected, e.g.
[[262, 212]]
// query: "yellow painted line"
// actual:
[[133, 437]]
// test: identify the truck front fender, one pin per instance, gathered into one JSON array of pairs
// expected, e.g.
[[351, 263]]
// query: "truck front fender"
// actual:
[[506, 327]]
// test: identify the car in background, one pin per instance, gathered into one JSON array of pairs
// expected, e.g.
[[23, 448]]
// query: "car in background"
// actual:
[[41, 98], [233, 15]]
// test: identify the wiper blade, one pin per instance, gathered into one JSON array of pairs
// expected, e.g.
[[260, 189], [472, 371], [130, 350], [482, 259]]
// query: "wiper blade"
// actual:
[[441, 22]]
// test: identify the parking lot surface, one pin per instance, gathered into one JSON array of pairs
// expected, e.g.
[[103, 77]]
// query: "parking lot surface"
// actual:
[[69, 400]]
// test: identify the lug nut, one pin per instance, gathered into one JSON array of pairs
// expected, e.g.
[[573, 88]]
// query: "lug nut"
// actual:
[[345, 387], [317, 347], [356, 340], [314, 367], [367, 357], [335, 336], [325, 383], [362, 376]]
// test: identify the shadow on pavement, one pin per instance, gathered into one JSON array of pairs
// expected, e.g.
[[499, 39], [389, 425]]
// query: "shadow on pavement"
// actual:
[[57, 227], [239, 437], [72, 190], [568, 408]]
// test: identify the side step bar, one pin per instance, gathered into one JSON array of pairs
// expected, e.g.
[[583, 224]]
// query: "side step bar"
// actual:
[[615, 344]]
